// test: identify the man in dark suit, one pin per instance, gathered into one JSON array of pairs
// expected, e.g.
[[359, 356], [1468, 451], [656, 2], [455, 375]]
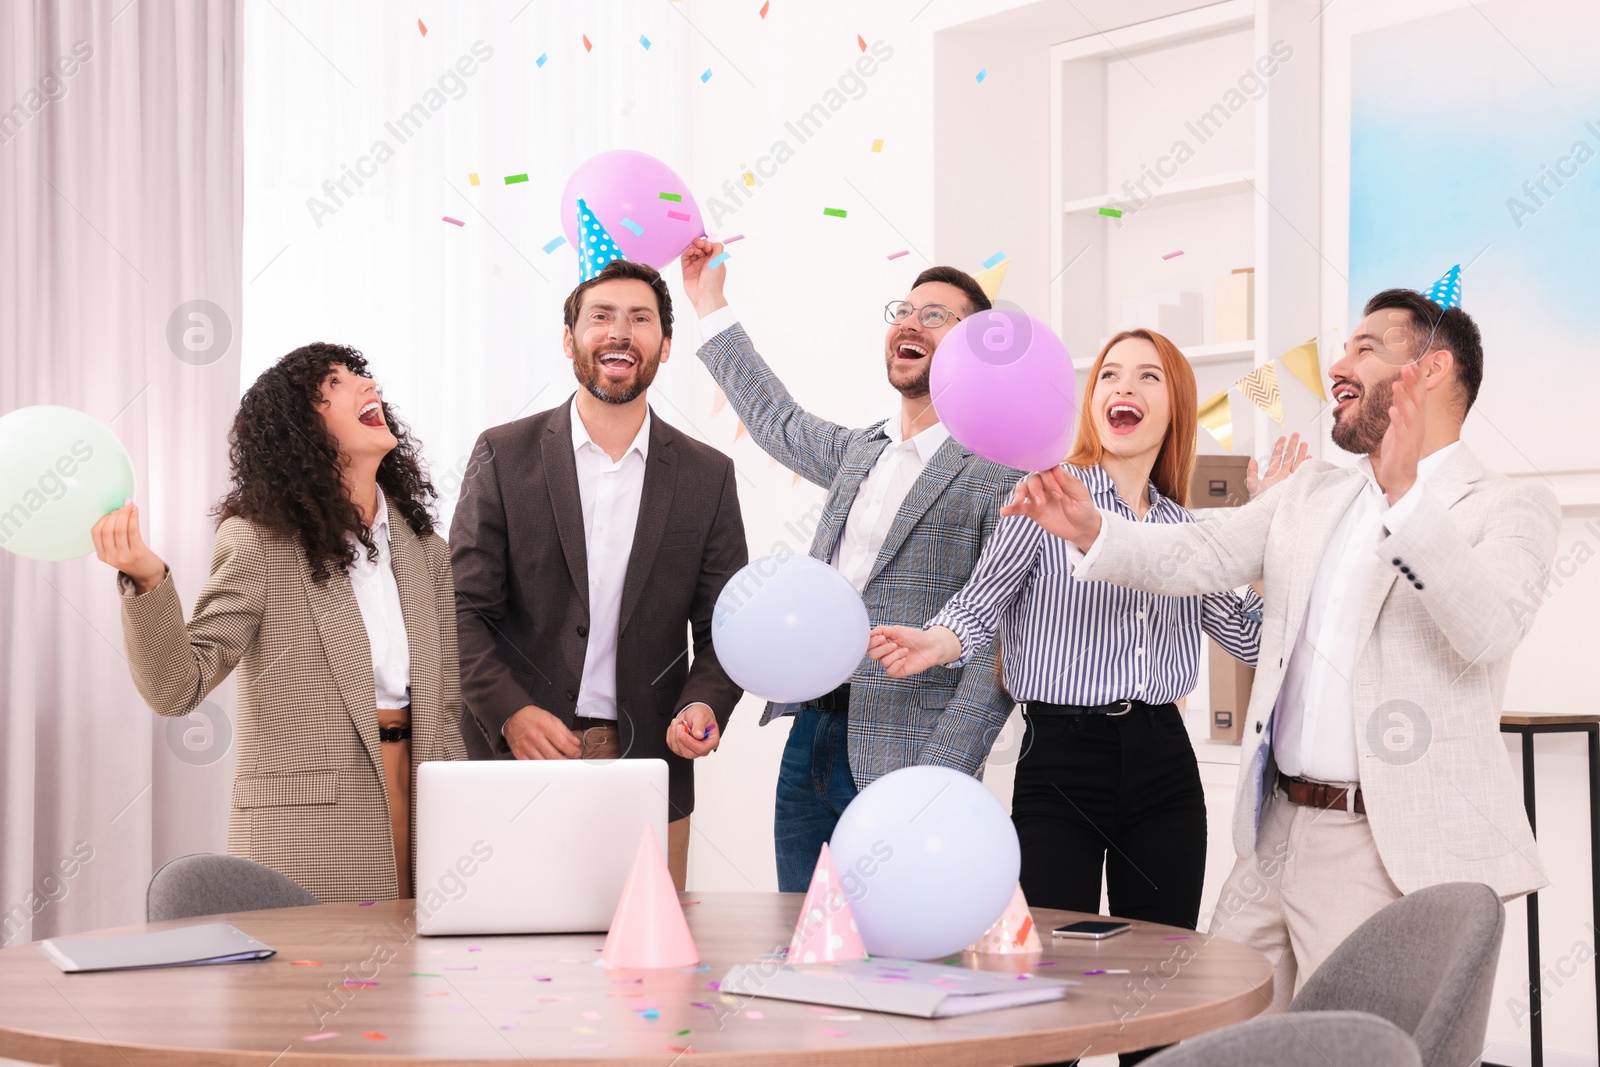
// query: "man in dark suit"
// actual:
[[588, 540]]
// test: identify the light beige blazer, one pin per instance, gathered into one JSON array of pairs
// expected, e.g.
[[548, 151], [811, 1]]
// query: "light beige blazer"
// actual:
[[1435, 647], [308, 794]]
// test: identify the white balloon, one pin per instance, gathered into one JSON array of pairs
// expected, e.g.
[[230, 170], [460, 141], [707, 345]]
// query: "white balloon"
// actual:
[[789, 628], [929, 859]]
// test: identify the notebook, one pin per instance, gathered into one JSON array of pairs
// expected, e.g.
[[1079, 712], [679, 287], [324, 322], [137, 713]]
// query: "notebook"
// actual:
[[183, 947], [901, 987]]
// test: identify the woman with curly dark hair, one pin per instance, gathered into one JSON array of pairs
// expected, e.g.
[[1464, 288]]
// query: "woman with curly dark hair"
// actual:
[[332, 594]]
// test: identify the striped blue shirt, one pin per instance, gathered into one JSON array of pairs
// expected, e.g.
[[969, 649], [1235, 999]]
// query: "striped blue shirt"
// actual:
[[1066, 641]]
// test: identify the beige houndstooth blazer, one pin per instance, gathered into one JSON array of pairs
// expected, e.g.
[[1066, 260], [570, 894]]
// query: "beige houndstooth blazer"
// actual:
[[308, 795], [1446, 608]]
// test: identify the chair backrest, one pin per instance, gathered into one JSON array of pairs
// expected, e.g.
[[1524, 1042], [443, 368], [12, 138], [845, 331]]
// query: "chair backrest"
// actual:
[[1304, 1039], [1426, 963], [208, 884]]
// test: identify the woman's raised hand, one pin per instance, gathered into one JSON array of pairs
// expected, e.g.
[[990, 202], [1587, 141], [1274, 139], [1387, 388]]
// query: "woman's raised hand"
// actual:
[[117, 542]]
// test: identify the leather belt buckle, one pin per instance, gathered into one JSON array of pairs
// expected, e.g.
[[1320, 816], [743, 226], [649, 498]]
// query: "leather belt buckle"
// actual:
[[1126, 706]]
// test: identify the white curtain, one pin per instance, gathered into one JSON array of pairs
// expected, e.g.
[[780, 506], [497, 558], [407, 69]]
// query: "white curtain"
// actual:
[[120, 204], [362, 134]]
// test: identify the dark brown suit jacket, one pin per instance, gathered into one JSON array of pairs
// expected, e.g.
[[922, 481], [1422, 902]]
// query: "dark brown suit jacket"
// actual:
[[522, 603]]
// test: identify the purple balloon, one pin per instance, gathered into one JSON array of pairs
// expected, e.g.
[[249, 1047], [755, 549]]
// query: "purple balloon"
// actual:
[[1003, 384], [628, 185]]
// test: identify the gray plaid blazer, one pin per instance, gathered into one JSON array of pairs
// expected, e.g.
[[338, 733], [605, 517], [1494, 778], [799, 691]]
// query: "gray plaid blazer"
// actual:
[[946, 716], [308, 793]]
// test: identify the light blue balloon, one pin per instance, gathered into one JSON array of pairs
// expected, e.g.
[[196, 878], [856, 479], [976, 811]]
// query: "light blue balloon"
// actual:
[[928, 858], [789, 628], [60, 471]]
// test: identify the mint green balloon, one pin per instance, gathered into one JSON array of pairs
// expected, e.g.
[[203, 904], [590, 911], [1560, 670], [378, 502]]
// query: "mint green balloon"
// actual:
[[60, 471]]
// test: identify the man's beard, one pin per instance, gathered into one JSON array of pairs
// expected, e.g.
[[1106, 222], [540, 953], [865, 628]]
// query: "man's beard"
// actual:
[[1363, 432], [587, 368], [915, 387]]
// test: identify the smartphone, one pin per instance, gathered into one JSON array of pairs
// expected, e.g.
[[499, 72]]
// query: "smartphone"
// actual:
[[1092, 929]]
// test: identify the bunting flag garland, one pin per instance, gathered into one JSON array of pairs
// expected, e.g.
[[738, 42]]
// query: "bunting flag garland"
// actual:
[[1302, 362], [738, 432], [719, 399], [1260, 387], [1216, 415]]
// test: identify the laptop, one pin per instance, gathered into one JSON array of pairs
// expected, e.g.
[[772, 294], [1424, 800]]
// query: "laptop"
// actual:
[[531, 846]]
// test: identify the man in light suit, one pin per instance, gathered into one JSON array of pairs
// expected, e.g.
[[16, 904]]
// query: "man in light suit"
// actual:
[[907, 513], [1372, 764]]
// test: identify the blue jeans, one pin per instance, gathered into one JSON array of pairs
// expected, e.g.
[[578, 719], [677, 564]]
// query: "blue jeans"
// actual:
[[814, 788]]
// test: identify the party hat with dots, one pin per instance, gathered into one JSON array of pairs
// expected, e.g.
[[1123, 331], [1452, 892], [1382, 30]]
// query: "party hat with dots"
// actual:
[[1013, 932], [595, 246], [1446, 292], [826, 932]]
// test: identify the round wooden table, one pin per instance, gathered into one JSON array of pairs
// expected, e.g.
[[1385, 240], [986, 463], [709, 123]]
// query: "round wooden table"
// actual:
[[352, 983]]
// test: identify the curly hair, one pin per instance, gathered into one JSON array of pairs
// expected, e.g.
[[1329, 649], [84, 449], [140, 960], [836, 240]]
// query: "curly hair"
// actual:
[[286, 464]]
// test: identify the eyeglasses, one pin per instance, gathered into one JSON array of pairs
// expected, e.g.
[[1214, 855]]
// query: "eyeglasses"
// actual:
[[931, 316]]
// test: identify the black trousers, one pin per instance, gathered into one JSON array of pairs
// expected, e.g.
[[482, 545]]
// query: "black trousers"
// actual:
[[1118, 793]]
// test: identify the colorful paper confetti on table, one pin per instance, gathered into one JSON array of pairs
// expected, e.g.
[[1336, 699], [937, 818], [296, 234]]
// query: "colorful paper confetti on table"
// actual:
[[902, 252], [365, 904], [681, 216], [1111, 212], [473, 178], [992, 260], [555, 244], [542, 57], [304, 963], [453, 222], [423, 28], [765, 7], [877, 146], [321, 1037], [513, 179], [634, 226], [1173, 255], [982, 74], [587, 47], [706, 76], [862, 42], [716, 261], [644, 41], [836, 212], [373, 1035], [678, 197]]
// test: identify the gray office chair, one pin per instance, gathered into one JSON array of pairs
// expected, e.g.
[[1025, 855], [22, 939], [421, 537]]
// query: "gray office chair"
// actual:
[[208, 884], [1303, 1039], [1426, 963]]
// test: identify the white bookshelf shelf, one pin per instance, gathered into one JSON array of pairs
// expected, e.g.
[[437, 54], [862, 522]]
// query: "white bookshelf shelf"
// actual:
[[1241, 352], [1239, 181]]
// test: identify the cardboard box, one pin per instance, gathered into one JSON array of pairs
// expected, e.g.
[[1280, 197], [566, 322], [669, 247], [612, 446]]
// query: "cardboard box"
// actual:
[[1218, 482], [1230, 693], [1179, 317], [1236, 306]]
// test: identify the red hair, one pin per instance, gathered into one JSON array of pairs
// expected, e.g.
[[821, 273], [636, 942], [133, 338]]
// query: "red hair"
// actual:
[[1174, 464]]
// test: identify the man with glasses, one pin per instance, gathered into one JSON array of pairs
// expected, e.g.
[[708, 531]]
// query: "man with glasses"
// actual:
[[907, 513], [1397, 589]]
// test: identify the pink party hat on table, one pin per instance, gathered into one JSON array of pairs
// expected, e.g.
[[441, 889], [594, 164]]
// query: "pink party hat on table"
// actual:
[[1013, 932], [826, 932], [648, 929]]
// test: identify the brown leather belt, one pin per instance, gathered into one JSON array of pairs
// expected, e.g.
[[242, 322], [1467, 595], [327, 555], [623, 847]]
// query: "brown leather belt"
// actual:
[[1319, 794]]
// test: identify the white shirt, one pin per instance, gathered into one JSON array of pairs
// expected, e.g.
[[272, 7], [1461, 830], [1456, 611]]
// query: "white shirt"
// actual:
[[881, 492], [1313, 727], [378, 597], [610, 492]]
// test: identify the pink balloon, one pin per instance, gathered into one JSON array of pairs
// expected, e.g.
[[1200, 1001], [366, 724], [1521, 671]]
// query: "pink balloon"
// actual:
[[628, 185], [1003, 384]]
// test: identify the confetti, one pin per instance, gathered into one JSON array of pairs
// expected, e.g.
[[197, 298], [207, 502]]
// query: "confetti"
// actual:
[[749, 179], [714, 985], [681, 216], [365, 904], [475, 948], [716, 261], [861, 41], [702, 1005], [473, 178], [423, 28], [551, 247], [1172, 255], [877, 146], [542, 57], [321, 1037], [828, 1031], [1088, 973], [513, 179], [356, 983], [706, 76], [765, 7], [679, 1049], [675, 197], [726, 241], [992, 260], [373, 1035], [634, 226], [587, 47], [451, 221], [836, 212], [682, 1033], [305, 963], [540, 977], [438, 993], [650, 1013], [982, 74], [644, 41], [1111, 212], [897, 255]]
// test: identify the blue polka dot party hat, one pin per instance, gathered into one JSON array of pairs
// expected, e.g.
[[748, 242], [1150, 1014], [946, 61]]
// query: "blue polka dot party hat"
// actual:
[[1446, 292], [595, 246]]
